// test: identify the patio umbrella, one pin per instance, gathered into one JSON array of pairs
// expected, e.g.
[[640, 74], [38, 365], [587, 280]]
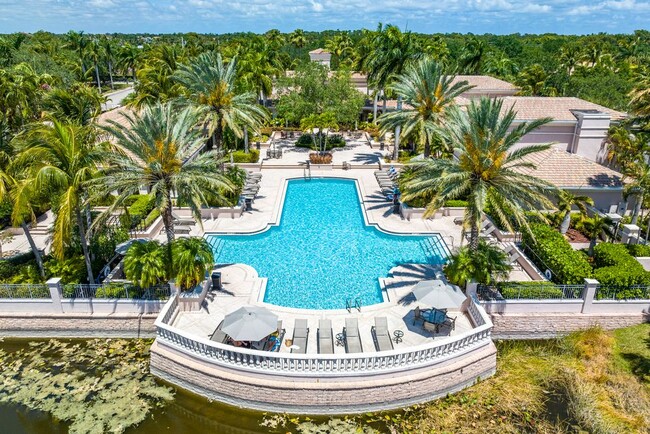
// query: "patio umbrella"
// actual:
[[250, 323], [438, 294], [122, 248]]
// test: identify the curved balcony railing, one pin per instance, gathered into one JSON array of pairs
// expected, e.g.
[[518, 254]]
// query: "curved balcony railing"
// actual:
[[325, 364]]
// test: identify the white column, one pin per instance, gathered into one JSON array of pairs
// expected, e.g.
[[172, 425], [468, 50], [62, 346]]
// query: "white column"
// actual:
[[56, 294], [588, 294]]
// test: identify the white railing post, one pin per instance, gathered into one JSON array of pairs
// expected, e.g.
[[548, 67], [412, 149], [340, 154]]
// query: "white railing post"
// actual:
[[588, 294], [56, 294]]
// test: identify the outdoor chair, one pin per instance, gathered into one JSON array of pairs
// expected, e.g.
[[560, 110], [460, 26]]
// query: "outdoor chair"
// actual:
[[417, 315], [381, 336], [300, 334], [182, 229], [450, 322], [352, 338], [188, 221], [219, 335], [325, 337]]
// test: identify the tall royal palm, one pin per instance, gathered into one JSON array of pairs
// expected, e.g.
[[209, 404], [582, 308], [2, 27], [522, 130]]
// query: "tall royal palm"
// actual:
[[488, 171], [61, 158], [393, 51], [154, 150], [429, 93], [210, 87]]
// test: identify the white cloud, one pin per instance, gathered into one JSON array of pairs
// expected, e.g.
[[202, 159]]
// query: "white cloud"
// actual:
[[317, 7]]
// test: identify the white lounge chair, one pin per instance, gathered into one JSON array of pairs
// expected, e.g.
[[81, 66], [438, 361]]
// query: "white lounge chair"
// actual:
[[300, 334], [325, 337], [381, 335], [352, 338]]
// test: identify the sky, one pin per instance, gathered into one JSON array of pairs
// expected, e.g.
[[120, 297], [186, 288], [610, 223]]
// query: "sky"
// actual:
[[225, 16]]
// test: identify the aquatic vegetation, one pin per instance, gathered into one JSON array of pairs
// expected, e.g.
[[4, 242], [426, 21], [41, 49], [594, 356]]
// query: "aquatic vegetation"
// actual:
[[98, 386]]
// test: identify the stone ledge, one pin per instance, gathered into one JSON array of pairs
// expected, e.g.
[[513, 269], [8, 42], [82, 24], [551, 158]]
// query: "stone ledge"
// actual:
[[314, 395]]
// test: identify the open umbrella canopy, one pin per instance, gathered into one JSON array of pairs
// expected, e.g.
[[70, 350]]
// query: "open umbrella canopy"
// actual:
[[438, 294], [122, 248], [250, 323]]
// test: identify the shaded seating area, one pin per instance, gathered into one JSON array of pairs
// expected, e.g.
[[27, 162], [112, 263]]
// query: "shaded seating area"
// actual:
[[325, 337], [381, 335], [300, 335], [182, 221], [351, 336]]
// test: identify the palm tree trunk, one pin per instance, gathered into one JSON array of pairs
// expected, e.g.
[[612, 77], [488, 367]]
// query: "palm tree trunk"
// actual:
[[218, 137], [637, 209], [32, 245], [592, 244], [84, 247], [398, 130], [473, 237], [168, 222], [566, 222], [427, 147], [245, 139], [374, 108], [99, 85], [110, 74]]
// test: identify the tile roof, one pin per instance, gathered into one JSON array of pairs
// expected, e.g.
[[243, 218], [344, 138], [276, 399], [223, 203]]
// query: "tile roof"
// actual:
[[566, 170], [485, 82], [558, 108], [319, 51]]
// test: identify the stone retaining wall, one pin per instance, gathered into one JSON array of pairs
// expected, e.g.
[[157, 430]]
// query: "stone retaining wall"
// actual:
[[551, 325], [316, 395], [77, 325]]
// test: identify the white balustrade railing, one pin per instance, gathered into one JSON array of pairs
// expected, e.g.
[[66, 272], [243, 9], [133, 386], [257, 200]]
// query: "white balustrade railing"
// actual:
[[323, 364]]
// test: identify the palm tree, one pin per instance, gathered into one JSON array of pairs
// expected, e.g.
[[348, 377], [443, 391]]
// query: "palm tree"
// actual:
[[486, 171], [127, 58], [298, 38], [192, 257], [96, 52], [393, 51], [20, 193], [210, 86], [61, 158], [473, 56], [78, 42], [640, 98], [565, 202], [639, 172], [155, 79], [593, 227], [80, 104], [501, 66], [429, 92], [109, 56], [339, 45], [154, 150], [484, 265], [144, 264], [533, 81]]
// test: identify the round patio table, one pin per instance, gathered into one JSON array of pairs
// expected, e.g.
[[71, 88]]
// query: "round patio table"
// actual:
[[340, 339], [398, 336]]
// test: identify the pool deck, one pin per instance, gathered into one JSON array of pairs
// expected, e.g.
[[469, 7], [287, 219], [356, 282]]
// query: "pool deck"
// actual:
[[241, 287]]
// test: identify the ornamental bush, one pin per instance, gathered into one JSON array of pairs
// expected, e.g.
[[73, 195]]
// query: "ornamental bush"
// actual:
[[456, 203], [638, 250], [530, 290], [615, 266], [554, 251], [242, 157]]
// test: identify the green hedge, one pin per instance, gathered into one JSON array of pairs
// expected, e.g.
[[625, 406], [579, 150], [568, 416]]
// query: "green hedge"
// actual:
[[527, 290], [638, 250], [333, 141], [139, 206], [615, 266], [567, 265], [252, 156], [456, 203]]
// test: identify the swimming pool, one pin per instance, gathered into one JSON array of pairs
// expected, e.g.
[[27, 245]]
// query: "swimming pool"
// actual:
[[322, 253]]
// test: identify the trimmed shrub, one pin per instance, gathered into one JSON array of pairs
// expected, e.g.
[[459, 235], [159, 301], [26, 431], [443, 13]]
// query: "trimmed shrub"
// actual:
[[242, 157], [567, 265], [140, 207], [305, 141], [615, 266], [333, 141], [456, 203], [530, 290], [638, 250]]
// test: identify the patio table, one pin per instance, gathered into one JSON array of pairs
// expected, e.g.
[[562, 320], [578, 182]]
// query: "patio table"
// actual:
[[435, 316]]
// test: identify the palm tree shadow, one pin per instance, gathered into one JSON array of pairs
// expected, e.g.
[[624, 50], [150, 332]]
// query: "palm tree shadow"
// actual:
[[639, 364], [373, 158]]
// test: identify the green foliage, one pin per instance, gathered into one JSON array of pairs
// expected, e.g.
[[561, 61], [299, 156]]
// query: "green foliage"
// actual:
[[100, 385], [456, 203], [638, 250], [191, 258], [145, 264], [484, 265], [616, 267], [530, 290], [555, 252], [333, 141], [103, 245], [71, 270], [252, 156], [312, 92]]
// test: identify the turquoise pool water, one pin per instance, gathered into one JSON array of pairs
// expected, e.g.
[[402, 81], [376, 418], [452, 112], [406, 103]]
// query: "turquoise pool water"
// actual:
[[322, 253]]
